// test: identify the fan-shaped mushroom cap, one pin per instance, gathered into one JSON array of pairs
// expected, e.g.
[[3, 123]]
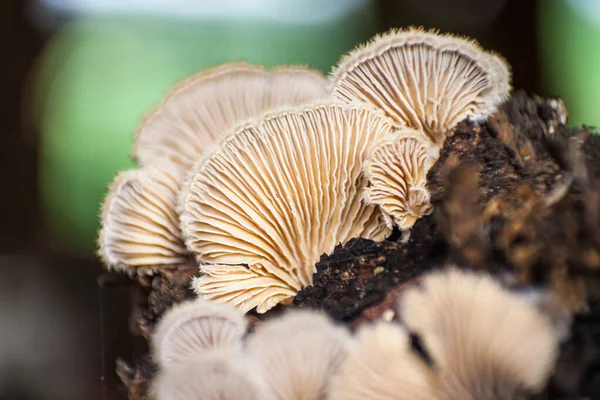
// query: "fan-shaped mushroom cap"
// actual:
[[212, 376], [424, 80], [381, 366], [274, 196], [397, 171], [199, 110], [194, 327], [486, 342], [140, 226], [298, 354]]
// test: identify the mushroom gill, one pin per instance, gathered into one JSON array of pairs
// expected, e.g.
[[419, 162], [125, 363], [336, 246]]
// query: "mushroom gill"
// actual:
[[381, 365], [200, 109], [424, 80], [196, 327], [485, 342], [140, 226], [397, 169], [274, 196], [298, 354]]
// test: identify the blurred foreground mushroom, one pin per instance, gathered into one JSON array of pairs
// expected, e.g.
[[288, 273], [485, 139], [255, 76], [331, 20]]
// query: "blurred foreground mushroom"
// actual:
[[484, 342], [196, 327], [297, 354], [382, 366], [397, 172], [274, 196], [199, 110], [213, 376], [424, 80]]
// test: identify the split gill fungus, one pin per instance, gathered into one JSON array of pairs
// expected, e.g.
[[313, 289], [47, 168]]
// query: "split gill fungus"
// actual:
[[424, 80], [274, 196], [140, 224]]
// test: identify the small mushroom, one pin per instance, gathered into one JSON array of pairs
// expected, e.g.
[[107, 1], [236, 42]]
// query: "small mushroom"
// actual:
[[298, 354], [200, 109], [397, 172], [380, 366], [195, 327], [424, 80], [140, 226], [262, 208], [211, 376], [485, 342]]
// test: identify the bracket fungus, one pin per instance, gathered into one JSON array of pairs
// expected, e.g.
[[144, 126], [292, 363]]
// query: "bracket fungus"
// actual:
[[486, 342], [397, 169], [381, 365], [275, 195], [213, 376], [200, 109], [424, 80], [195, 327], [298, 354], [140, 226]]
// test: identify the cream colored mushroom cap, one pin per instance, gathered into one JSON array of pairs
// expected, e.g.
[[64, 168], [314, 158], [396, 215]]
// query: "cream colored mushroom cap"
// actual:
[[381, 366], [424, 80], [212, 376], [397, 169], [298, 354], [199, 110], [140, 226], [482, 338], [262, 208], [195, 327]]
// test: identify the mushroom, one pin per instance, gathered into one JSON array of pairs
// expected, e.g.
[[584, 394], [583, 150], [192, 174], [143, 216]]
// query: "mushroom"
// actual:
[[298, 354], [200, 109], [397, 169], [424, 80], [485, 342], [211, 376], [275, 195], [195, 327], [140, 226], [380, 366]]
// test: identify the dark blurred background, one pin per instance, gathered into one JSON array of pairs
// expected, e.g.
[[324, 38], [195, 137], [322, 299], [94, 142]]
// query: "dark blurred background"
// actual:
[[76, 77]]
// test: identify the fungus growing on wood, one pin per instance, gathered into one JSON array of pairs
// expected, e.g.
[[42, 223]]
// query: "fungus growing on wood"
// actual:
[[195, 327], [211, 376], [424, 80], [200, 109], [381, 365], [276, 195], [485, 342], [140, 227], [298, 354], [397, 172]]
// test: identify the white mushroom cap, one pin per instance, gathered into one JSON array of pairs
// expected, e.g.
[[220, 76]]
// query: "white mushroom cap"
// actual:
[[140, 226], [276, 195], [298, 354], [212, 376], [397, 172], [381, 366], [194, 327], [482, 338], [424, 80], [199, 110]]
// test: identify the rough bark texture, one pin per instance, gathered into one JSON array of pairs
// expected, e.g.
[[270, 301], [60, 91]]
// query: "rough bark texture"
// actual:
[[518, 196]]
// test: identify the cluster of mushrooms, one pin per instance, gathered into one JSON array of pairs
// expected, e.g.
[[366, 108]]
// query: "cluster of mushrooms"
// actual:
[[253, 174]]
